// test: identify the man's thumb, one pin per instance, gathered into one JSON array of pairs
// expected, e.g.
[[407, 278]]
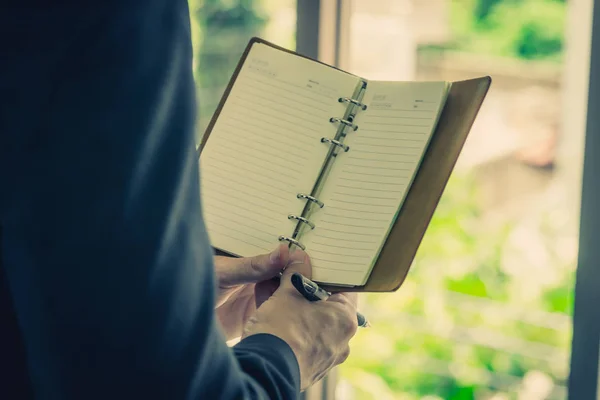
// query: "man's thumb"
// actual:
[[299, 262], [237, 271]]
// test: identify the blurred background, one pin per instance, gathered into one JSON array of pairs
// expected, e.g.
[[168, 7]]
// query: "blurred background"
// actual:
[[486, 310]]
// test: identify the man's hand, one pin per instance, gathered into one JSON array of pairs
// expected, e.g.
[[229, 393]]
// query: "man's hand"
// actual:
[[318, 332], [244, 284]]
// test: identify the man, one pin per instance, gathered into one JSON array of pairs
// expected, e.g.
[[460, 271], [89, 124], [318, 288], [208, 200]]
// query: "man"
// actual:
[[107, 283]]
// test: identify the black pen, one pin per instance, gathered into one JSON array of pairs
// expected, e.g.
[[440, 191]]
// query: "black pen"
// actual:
[[313, 292]]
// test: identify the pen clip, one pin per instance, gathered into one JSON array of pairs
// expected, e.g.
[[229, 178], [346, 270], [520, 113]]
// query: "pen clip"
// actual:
[[304, 287], [312, 292]]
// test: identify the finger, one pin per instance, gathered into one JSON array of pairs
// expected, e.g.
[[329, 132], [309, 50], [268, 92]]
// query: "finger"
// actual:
[[299, 262], [264, 290], [343, 356], [350, 299], [237, 271]]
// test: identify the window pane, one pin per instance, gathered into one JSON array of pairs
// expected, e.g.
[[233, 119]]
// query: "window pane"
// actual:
[[221, 30], [486, 310]]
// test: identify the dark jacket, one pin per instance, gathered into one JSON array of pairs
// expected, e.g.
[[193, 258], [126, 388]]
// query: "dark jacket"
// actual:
[[106, 275]]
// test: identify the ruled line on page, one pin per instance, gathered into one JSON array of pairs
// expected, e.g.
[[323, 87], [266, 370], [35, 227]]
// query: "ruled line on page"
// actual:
[[288, 102], [234, 229], [287, 109], [208, 199], [245, 216], [313, 103], [270, 141], [284, 131], [279, 115], [258, 194]]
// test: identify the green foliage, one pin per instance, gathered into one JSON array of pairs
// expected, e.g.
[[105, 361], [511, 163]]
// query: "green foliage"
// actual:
[[460, 327], [559, 299], [470, 284], [527, 29], [221, 31], [483, 8], [229, 14]]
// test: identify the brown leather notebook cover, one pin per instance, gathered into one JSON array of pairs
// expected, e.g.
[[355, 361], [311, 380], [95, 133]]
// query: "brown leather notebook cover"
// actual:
[[396, 257]]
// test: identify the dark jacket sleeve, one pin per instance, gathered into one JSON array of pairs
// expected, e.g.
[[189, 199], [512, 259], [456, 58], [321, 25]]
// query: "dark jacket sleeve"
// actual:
[[104, 248]]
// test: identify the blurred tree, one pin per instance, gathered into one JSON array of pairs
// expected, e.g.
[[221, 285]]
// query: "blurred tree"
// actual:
[[224, 28], [483, 8], [526, 29]]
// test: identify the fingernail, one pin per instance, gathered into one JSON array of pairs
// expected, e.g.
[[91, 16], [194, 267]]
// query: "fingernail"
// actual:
[[297, 257], [274, 256]]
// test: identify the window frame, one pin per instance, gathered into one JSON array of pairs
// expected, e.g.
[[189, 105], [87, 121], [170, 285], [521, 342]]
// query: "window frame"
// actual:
[[583, 375]]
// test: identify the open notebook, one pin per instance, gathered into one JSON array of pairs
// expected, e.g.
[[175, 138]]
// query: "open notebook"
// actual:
[[302, 152]]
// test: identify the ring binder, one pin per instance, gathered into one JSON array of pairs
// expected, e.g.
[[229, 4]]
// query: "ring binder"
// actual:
[[347, 120], [302, 219], [311, 198], [336, 142], [292, 241], [353, 101], [344, 121]]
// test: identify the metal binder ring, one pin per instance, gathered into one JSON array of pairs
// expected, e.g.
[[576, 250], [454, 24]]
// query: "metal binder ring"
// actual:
[[292, 241], [311, 198], [352, 101], [344, 121], [302, 219], [337, 143]]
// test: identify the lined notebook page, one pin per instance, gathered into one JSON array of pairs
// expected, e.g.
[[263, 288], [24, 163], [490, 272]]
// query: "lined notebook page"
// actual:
[[265, 148], [368, 184]]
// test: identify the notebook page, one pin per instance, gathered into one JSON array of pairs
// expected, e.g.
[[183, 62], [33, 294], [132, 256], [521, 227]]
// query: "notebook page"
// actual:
[[368, 183], [265, 148]]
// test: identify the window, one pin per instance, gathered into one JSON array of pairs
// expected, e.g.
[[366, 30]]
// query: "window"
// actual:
[[486, 310]]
